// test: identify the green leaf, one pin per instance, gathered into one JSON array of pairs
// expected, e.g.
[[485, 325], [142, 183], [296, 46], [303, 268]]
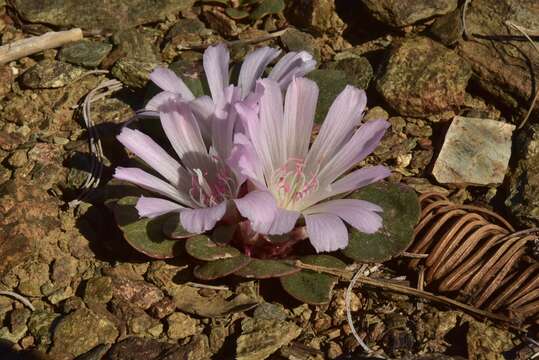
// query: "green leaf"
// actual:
[[220, 2], [309, 287], [223, 234], [236, 14], [401, 213], [172, 228], [220, 268], [145, 235], [267, 7], [265, 269], [323, 260], [331, 83], [202, 248]]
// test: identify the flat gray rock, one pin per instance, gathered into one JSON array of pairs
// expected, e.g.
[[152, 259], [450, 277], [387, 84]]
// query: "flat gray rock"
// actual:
[[108, 15], [475, 151], [400, 13]]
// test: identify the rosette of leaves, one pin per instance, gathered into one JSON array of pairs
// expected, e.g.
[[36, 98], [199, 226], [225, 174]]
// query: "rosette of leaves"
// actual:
[[215, 256], [249, 9]]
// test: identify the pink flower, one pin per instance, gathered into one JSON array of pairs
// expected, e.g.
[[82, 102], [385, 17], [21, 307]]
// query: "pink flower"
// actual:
[[274, 154], [200, 186]]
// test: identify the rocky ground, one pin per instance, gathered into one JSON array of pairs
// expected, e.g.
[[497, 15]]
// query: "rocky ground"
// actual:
[[94, 297]]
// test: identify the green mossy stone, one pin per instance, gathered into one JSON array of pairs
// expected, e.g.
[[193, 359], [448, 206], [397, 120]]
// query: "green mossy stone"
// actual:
[[221, 268], [401, 213], [201, 247], [267, 7], [330, 82], [265, 269], [145, 235]]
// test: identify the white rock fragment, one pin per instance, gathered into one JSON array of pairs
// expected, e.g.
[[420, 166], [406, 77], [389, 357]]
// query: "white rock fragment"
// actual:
[[475, 151]]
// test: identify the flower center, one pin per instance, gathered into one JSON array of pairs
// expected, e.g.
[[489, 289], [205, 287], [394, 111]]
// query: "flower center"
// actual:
[[210, 187], [291, 183]]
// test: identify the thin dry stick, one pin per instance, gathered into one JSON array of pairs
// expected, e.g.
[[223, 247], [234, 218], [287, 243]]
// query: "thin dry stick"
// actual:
[[204, 286], [524, 32], [254, 40], [35, 44], [21, 298], [464, 27], [384, 284], [349, 313]]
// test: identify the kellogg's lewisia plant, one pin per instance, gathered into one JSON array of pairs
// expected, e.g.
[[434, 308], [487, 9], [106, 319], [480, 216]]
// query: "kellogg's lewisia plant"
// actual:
[[247, 178], [275, 155]]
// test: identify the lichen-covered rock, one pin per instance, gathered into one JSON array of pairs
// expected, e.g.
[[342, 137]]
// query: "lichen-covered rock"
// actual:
[[51, 74], [318, 15], [133, 72], [423, 77], [181, 326], [6, 79], [138, 293], [399, 13], [295, 40], [85, 53], [98, 290], [260, 338], [358, 70], [102, 15], [137, 44], [81, 331], [523, 199], [475, 151], [504, 68]]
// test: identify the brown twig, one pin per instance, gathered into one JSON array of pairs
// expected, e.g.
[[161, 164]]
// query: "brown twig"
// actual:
[[524, 32], [35, 44]]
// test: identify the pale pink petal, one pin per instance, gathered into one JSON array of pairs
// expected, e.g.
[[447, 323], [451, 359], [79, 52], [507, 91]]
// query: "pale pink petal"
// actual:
[[160, 99], [292, 64], [364, 141], [259, 207], [197, 221], [326, 232], [359, 178], [216, 60], [299, 109], [203, 108], [151, 207], [167, 80], [284, 221], [223, 123], [151, 153], [343, 116], [358, 213], [244, 161], [253, 67], [255, 132], [181, 129], [151, 183], [271, 122]]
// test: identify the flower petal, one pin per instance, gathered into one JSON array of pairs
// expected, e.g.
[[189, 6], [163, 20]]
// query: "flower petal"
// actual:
[[167, 80], [151, 153], [284, 221], [215, 61], [343, 116], [326, 232], [358, 213], [292, 64], [244, 161], [253, 67], [259, 207], [359, 178], [203, 108], [181, 129], [160, 99], [364, 141], [223, 123], [151, 207], [197, 221], [271, 122], [152, 183], [299, 109]]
